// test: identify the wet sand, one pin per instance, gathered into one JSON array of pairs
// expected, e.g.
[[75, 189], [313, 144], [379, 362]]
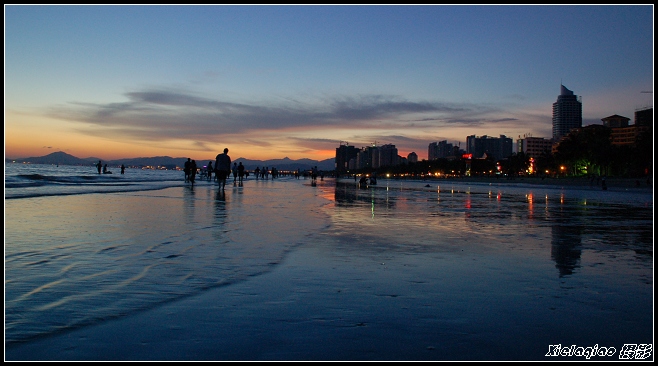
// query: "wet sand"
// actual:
[[337, 299], [614, 183]]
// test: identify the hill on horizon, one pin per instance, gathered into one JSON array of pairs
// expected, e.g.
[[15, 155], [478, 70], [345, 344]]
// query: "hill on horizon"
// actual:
[[286, 163]]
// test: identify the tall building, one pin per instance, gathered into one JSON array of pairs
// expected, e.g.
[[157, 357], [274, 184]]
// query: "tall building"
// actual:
[[624, 134], [534, 146], [364, 157], [567, 113], [344, 153], [496, 147], [644, 117], [438, 150], [412, 157], [385, 155]]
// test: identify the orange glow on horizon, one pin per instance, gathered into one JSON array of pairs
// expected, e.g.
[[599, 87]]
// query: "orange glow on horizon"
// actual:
[[108, 150]]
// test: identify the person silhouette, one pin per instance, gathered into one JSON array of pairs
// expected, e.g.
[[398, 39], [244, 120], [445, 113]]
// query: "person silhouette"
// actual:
[[123, 168], [99, 166], [193, 169], [240, 172], [210, 170], [186, 169], [222, 167]]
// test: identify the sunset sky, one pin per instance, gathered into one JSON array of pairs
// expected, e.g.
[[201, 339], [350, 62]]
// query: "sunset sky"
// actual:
[[294, 81]]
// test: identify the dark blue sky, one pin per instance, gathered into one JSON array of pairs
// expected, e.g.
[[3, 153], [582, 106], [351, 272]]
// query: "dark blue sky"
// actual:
[[275, 81]]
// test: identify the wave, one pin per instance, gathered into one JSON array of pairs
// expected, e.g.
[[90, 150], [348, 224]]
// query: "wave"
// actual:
[[42, 180]]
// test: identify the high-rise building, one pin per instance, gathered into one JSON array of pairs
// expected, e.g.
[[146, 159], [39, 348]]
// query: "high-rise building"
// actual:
[[438, 150], [385, 155], [644, 117], [534, 146], [623, 134], [567, 113], [496, 147], [364, 157], [344, 153]]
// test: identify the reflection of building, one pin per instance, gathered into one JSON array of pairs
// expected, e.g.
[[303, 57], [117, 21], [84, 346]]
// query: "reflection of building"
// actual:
[[497, 147], [350, 195], [567, 113], [565, 247]]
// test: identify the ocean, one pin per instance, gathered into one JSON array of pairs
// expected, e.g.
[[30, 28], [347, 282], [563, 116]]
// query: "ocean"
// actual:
[[567, 264], [35, 180]]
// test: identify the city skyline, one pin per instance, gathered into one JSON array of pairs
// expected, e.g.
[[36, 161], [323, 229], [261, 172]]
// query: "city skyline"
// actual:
[[295, 81]]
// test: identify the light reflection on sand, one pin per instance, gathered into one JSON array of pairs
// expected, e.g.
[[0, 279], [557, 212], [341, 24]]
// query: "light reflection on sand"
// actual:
[[461, 264], [75, 260]]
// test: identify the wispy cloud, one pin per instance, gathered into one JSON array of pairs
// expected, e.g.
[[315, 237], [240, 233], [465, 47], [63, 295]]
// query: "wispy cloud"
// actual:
[[166, 114]]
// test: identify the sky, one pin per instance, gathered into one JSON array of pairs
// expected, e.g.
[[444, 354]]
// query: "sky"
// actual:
[[270, 82]]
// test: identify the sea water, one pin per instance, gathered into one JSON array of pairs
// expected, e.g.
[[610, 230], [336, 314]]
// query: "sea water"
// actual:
[[34, 180], [572, 264]]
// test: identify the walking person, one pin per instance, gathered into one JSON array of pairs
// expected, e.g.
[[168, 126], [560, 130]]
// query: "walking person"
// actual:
[[210, 170], [193, 169], [186, 169], [99, 166], [240, 172], [222, 167]]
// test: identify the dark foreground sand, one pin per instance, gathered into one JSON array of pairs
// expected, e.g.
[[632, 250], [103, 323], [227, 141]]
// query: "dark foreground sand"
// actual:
[[312, 307]]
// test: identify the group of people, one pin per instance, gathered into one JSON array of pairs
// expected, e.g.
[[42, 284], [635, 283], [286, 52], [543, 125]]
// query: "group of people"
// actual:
[[266, 172], [222, 169], [104, 168], [190, 170]]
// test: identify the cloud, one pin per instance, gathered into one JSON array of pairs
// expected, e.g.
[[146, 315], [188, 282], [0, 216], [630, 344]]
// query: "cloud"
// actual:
[[168, 115]]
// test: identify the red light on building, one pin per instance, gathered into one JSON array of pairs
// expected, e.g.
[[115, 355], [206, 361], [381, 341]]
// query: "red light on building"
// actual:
[[467, 156]]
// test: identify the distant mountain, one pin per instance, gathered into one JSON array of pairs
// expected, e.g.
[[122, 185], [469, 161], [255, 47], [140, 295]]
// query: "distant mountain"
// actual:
[[288, 164], [57, 158], [172, 163]]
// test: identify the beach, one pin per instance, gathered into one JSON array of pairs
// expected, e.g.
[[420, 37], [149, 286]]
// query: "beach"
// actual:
[[295, 270]]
